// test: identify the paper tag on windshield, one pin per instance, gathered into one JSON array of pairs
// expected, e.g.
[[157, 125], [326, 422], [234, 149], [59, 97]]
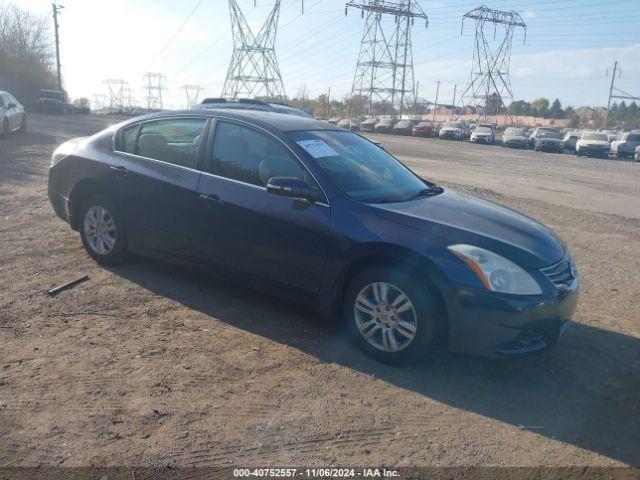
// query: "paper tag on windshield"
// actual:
[[317, 148]]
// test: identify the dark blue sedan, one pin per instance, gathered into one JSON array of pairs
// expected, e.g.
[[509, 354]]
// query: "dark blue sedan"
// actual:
[[319, 214]]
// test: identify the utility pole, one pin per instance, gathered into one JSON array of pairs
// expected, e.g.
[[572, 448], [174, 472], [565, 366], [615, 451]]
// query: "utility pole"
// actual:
[[615, 92], [56, 10], [435, 105], [453, 110], [613, 79]]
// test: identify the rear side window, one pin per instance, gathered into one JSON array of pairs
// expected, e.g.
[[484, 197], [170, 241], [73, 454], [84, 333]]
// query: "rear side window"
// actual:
[[633, 138], [175, 141], [243, 154], [128, 139]]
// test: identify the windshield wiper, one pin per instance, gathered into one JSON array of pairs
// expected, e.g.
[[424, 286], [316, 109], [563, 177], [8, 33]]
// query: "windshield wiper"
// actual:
[[426, 192]]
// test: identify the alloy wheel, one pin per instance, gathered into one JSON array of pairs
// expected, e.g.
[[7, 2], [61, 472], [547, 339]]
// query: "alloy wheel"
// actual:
[[385, 317], [100, 230]]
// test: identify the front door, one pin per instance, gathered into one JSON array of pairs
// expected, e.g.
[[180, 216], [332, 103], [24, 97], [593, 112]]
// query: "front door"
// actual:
[[246, 229]]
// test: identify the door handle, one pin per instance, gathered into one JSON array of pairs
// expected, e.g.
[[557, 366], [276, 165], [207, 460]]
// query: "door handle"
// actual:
[[210, 199], [120, 169]]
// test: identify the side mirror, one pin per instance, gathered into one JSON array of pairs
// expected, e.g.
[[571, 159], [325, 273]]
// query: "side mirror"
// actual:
[[11, 105], [293, 187]]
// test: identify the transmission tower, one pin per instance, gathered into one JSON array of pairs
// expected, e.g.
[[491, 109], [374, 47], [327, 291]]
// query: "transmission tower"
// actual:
[[253, 69], [384, 72], [116, 90], [192, 92], [489, 81], [99, 101], [154, 86]]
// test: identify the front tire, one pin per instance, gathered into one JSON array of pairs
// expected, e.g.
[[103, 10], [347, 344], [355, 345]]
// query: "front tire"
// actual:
[[23, 124], [391, 316], [102, 231]]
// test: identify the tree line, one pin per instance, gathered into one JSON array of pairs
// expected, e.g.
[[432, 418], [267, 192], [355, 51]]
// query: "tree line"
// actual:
[[25, 53]]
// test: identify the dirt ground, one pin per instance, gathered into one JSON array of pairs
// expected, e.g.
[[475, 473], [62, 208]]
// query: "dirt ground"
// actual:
[[148, 364]]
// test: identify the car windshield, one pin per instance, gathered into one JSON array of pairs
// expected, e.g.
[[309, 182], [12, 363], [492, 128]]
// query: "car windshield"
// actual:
[[602, 137], [403, 123], [548, 134], [515, 131], [424, 124], [484, 130], [50, 94], [360, 169], [453, 125]]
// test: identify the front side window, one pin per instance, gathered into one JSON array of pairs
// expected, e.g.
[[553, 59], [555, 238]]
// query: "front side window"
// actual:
[[360, 169], [243, 154], [176, 141]]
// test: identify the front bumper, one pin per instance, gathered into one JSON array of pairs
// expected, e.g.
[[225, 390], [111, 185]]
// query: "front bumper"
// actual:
[[486, 140], [516, 143], [594, 152], [61, 205], [497, 325], [549, 147], [450, 136]]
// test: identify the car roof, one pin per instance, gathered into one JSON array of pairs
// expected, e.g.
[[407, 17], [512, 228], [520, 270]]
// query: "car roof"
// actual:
[[268, 120]]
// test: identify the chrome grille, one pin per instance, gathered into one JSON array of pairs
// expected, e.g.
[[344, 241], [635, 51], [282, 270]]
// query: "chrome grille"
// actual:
[[561, 274]]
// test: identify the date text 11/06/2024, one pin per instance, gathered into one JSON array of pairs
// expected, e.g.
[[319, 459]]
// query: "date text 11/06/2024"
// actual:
[[316, 473]]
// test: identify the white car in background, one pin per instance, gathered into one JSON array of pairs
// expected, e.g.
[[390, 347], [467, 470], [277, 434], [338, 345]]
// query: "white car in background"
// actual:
[[626, 146], [484, 133], [12, 115], [593, 144]]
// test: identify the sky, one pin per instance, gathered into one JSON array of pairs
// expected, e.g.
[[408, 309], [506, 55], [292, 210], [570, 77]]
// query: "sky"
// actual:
[[570, 45]]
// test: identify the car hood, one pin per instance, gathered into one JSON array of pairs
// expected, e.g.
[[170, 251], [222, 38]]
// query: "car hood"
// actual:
[[455, 217], [548, 140], [519, 138], [450, 129]]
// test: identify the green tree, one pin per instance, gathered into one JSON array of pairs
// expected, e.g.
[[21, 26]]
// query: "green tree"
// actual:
[[556, 109], [519, 107], [540, 106]]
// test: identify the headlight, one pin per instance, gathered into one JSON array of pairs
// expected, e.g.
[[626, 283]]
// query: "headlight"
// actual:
[[63, 151], [495, 272]]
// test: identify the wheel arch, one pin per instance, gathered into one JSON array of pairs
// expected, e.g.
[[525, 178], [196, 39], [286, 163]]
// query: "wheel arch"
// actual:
[[385, 255], [82, 190]]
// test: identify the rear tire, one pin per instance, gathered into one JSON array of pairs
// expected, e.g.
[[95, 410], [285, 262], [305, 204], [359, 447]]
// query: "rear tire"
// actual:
[[102, 231], [399, 321]]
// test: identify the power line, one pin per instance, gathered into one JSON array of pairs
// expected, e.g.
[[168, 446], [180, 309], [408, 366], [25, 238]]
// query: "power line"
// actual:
[[177, 32]]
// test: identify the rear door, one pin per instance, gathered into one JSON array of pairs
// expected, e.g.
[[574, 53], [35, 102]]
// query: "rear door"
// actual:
[[244, 228], [155, 170]]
